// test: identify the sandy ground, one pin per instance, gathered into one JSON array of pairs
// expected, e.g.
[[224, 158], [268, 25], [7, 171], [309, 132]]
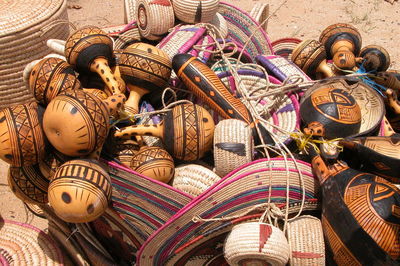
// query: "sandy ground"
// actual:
[[377, 21]]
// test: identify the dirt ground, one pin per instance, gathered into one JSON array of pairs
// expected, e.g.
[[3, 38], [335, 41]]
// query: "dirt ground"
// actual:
[[377, 21]]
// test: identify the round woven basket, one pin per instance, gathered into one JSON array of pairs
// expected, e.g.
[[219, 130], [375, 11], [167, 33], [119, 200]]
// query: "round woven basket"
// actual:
[[220, 23], [24, 244], [154, 19], [254, 242], [193, 11], [24, 28], [285, 46], [233, 145], [306, 240], [193, 179]]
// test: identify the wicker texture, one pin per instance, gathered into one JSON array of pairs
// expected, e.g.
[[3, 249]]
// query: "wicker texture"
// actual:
[[220, 23], [193, 11], [306, 241], [260, 13], [24, 244], [155, 18], [254, 241], [241, 26], [285, 46], [180, 237], [130, 11], [25, 26], [233, 145], [194, 179]]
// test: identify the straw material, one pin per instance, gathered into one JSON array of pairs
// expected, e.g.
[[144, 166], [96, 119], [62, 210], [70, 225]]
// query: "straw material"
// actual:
[[285, 46], [241, 26], [256, 242], [143, 203], [24, 244], [130, 10], [182, 240], [205, 48], [193, 11], [194, 179], [306, 241], [233, 145], [280, 110], [370, 102], [25, 26], [220, 23], [155, 18], [260, 13]]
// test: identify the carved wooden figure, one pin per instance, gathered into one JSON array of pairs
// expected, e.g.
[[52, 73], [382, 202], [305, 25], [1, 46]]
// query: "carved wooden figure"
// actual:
[[28, 184], [144, 68], [22, 141], [342, 44], [91, 49], [42, 75], [76, 123], [360, 214], [310, 56], [330, 113], [80, 191], [187, 131], [154, 162]]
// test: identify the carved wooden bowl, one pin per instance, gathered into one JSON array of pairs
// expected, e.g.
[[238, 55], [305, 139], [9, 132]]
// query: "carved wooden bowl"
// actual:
[[330, 113], [22, 141], [342, 43], [80, 191], [76, 123], [310, 56], [144, 68], [28, 184], [187, 131], [154, 162], [375, 57], [42, 75], [91, 49]]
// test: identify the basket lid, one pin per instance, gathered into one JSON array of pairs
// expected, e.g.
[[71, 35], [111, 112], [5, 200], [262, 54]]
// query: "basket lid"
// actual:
[[18, 15]]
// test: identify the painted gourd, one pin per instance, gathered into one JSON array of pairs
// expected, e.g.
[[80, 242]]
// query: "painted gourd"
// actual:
[[206, 85], [53, 159], [96, 92], [144, 68], [377, 155], [330, 113], [360, 214], [187, 131], [22, 141], [76, 123], [342, 44], [43, 73], [310, 56], [375, 58], [125, 152], [153, 162], [390, 80], [80, 191], [28, 184], [91, 49]]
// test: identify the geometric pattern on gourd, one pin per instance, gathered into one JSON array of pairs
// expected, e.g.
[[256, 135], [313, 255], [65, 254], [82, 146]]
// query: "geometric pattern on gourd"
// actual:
[[159, 73], [358, 198], [306, 54], [149, 154], [30, 182], [98, 112], [188, 130], [29, 133]]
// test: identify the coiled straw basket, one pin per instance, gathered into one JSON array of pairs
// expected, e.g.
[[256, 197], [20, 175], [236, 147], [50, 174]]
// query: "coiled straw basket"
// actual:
[[24, 28]]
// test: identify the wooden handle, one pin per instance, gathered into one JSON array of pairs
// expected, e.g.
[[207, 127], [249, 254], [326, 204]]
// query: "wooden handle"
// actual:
[[141, 130], [206, 85], [135, 94], [389, 80], [100, 66], [393, 102], [324, 68]]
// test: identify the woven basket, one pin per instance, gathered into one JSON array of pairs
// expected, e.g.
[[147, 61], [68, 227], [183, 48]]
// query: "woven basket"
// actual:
[[181, 239], [306, 240], [130, 11], [24, 28], [233, 145], [24, 244], [193, 11], [285, 46], [194, 179], [260, 13], [220, 23], [154, 18], [241, 26], [256, 242]]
